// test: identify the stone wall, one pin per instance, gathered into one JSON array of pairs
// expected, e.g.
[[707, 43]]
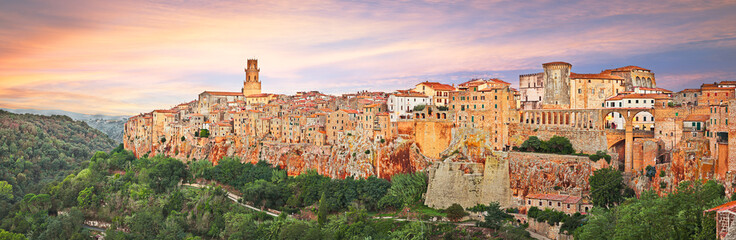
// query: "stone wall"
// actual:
[[586, 140], [532, 173], [551, 232], [457, 179], [469, 183]]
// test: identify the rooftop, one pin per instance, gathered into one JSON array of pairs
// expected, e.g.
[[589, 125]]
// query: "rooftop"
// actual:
[[594, 76], [437, 86], [697, 118]]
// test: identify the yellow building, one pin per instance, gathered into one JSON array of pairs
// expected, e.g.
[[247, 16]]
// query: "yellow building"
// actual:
[[438, 93]]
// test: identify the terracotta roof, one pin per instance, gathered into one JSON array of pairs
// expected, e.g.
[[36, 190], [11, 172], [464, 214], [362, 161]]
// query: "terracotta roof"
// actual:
[[371, 105], [556, 63], [697, 118], [472, 83], [350, 111], [382, 114], [627, 68], [437, 86], [727, 82], [551, 197], [572, 199], [729, 206], [224, 93], [690, 90], [713, 87], [409, 94], [164, 111], [654, 89], [496, 80], [594, 76]]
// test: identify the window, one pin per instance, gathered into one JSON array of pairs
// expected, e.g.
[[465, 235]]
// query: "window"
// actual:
[[592, 91], [580, 91]]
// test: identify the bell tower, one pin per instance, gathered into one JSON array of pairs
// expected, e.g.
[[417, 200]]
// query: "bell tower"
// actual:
[[251, 85]]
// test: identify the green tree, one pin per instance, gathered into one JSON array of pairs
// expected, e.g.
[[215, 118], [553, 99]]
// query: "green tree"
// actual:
[[11, 236], [606, 186], [532, 144], [560, 145], [322, 211], [204, 133], [166, 174], [6, 190], [87, 197], [455, 212], [406, 190], [494, 218], [601, 225]]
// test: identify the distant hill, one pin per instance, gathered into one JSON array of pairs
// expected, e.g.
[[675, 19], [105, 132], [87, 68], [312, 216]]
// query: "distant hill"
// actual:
[[110, 125], [35, 149]]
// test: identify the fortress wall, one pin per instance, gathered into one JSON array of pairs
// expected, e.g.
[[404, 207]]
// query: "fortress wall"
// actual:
[[505, 174], [587, 140]]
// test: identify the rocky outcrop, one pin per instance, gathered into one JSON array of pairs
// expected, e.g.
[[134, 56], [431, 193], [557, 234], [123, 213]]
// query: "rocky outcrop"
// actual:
[[352, 157]]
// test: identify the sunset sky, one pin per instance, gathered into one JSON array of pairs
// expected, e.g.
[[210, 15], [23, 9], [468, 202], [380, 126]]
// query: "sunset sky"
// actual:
[[111, 57]]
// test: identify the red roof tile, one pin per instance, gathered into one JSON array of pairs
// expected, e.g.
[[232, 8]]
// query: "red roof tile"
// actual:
[[594, 76], [437, 86], [627, 68], [556, 63]]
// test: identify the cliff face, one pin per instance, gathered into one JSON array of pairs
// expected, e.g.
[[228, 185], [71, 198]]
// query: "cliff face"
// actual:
[[473, 174], [354, 156]]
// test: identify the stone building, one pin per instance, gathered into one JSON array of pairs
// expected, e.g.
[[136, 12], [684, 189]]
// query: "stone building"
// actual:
[[531, 87], [557, 87], [488, 108], [559, 202], [591, 90], [725, 215], [633, 77], [212, 100], [688, 97], [438, 93], [712, 94], [556, 83], [340, 120], [252, 84], [400, 105]]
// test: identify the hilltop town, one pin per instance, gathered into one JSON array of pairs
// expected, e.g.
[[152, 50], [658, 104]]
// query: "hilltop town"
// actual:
[[470, 137]]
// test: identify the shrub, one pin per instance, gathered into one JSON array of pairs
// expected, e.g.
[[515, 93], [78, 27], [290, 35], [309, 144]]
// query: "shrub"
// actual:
[[651, 171], [419, 107], [204, 133], [183, 138], [443, 108], [455, 212], [163, 140], [367, 151]]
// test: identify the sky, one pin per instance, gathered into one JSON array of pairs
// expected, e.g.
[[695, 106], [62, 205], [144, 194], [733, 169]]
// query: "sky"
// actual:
[[129, 57]]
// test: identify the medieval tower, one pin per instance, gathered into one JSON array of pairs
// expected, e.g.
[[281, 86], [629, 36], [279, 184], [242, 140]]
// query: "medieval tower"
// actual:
[[252, 84], [557, 84]]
